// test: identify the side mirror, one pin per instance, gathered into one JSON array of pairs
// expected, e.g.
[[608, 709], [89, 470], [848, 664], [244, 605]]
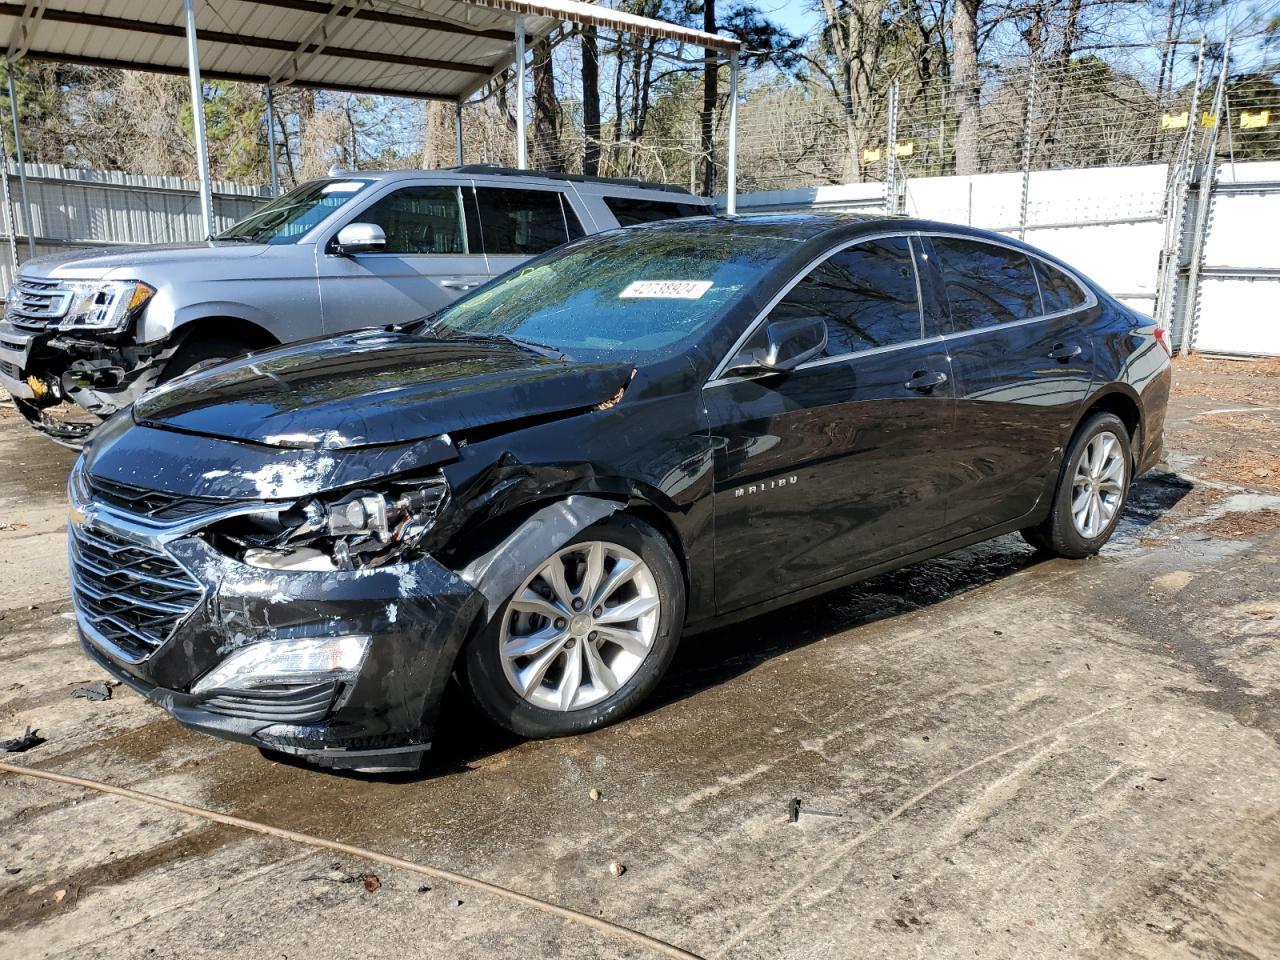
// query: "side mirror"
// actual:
[[360, 238], [788, 343]]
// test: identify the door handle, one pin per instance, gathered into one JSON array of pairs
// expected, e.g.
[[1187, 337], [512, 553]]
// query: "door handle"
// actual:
[[460, 284], [1062, 353], [925, 380]]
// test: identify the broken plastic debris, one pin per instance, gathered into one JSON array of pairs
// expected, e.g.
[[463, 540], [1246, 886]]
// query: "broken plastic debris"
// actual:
[[29, 739], [99, 690]]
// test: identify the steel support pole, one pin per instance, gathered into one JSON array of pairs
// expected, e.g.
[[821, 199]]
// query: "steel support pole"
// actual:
[[522, 140], [890, 153], [197, 118], [731, 170], [22, 167], [1176, 204], [1200, 232], [9, 215], [457, 128], [1028, 148], [271, 143]]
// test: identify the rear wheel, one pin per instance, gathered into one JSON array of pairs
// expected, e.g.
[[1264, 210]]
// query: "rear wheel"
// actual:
[[1091, 493], [585, 638]]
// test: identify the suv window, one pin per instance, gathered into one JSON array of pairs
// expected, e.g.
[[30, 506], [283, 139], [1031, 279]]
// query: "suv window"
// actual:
[[525, 222], [629, 211], [867, 295], [1057, 290], [420, 220], [986, 284]]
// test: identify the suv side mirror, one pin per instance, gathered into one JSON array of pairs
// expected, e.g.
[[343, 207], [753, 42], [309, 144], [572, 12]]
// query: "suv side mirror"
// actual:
[[360, 238], [788, 343]]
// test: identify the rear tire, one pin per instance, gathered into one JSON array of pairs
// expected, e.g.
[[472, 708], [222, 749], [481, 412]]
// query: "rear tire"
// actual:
[[576, 676], [1092, 490], [199, 353]]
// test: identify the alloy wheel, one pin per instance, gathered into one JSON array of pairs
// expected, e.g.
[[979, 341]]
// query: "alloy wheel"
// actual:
[[1098, 485], [580, 626]]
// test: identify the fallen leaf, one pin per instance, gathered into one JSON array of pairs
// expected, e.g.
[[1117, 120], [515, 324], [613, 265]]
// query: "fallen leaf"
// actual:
[[371, 881]]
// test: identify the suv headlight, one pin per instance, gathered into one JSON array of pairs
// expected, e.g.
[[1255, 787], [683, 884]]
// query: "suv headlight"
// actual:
[[104, 305]]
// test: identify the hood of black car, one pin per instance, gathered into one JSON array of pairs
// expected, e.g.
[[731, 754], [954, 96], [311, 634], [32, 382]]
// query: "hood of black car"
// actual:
[[375, 388]]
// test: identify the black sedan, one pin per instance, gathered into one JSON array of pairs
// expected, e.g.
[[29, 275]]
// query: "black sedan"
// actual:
[[638, 436]]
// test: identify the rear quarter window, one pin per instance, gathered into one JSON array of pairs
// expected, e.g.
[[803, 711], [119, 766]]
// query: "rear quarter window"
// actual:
[[986, 284], [1059, 291], [629, 211]]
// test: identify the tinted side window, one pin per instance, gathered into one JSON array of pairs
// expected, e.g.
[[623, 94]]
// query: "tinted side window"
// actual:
[[420, 220], [1057, 290], [629, 211], [867, 295], [986, 284], [525, 222]]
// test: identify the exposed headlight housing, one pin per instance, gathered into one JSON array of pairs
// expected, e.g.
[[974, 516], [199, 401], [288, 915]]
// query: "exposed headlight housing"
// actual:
[[295, 661], [362, 528], [106, 306]]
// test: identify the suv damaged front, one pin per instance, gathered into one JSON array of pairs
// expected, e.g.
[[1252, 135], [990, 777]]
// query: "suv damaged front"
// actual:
[[67, 340]]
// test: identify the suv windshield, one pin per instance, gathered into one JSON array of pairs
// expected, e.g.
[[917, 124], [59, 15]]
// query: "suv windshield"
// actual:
[[638, 293], [287, 218]]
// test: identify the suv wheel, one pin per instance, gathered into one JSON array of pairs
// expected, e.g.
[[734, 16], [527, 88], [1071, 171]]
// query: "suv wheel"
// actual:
[[1092, 491], [199, 353], [585, 638]]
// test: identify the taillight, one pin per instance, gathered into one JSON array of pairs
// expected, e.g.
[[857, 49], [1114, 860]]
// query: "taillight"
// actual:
[[1162, 338]]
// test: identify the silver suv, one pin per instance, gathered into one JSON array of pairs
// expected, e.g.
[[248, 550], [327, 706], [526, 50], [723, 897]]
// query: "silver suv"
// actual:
[[85, 333]]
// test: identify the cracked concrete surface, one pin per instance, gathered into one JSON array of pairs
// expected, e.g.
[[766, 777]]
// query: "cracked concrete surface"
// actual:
[[1031, 758]]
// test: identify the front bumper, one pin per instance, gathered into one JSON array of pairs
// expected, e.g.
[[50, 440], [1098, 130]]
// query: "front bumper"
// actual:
[[417, 615]]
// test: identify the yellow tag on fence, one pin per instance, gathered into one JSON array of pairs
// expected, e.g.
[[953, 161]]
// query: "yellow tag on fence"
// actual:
[[1175, 121], [871, 156], [1254, 120], [1207, 119], [907, 149]]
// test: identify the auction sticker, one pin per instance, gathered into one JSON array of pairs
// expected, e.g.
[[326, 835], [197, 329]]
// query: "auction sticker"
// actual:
[[665, 290]]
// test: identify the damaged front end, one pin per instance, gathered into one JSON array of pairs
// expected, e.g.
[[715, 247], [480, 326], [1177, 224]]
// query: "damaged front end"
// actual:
[[308, 598], [66, 357]]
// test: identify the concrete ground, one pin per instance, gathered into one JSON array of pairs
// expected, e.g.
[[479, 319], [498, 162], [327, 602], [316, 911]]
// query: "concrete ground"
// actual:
[[1030, 758]]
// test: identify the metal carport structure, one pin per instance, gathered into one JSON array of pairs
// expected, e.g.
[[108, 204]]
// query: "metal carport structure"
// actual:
[[430, 49]]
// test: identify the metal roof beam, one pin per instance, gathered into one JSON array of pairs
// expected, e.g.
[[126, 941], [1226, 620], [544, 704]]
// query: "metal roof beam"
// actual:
[[319, 37], [264, 43], [181, 71], [28, 15]]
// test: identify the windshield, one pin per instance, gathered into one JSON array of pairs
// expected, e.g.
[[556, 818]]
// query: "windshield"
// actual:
[[287, 218], [636, 294]]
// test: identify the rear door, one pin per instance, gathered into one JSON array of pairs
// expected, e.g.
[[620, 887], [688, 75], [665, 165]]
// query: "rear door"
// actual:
[[521, 221], [836, 465], [1022, 368], [433, 254]]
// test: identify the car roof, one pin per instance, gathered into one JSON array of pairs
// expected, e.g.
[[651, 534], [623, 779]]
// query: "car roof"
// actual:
[[492, 170]]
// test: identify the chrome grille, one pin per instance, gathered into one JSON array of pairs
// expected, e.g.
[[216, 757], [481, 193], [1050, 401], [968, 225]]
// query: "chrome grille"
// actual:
[[33, 303], [10, 370], [133, 595], [153, 504]]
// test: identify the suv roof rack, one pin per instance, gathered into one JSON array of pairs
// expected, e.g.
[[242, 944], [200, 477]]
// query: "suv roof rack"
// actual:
[[496, 170]]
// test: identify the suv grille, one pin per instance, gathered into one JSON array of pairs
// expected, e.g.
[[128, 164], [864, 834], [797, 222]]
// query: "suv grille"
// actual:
[[10, 370], [133, 595], [152, 504], [35, 302]]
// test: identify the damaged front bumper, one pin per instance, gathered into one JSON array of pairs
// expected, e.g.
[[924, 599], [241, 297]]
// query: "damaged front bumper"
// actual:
[[159, 609], [47, 372]]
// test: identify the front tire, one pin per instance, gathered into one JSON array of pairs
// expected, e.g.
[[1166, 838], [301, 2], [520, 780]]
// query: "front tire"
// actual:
[[1092, 490], [585, 638], [199, 353]]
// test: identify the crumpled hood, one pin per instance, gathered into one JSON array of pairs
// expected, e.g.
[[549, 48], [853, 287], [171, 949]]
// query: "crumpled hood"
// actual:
[[100, 262], [374, 388]]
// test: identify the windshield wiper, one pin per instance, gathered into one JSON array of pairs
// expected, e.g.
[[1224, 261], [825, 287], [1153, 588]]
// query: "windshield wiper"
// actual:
[[533, 346], [236, 238]]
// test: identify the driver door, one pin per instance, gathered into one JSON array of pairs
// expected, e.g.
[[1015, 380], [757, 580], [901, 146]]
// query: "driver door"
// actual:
[[836, 465], [433, 255]]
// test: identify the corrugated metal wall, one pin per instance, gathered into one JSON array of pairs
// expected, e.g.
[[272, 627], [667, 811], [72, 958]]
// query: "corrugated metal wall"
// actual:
[[89, 208]]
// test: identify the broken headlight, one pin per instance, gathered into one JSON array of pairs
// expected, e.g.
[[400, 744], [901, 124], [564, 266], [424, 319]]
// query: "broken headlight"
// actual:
[[360, 528], [104, 305]]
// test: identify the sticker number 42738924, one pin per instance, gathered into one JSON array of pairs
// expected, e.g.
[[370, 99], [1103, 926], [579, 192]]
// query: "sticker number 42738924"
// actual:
[[665, 290]]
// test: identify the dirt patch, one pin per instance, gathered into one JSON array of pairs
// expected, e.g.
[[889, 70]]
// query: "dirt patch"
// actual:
[[1242, 525]]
